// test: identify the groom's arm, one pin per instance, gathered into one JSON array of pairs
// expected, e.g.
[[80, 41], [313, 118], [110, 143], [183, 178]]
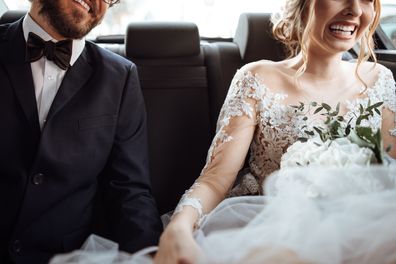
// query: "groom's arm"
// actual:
[[130, 213]]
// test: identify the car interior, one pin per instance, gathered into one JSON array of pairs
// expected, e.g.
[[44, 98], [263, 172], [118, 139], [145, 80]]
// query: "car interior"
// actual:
[[185, 79]]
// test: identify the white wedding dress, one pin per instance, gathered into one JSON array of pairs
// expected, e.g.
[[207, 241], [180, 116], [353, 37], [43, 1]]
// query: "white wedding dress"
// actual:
[[310, 214]]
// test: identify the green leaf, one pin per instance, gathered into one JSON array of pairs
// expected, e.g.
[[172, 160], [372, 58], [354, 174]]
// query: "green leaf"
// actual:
[[337, 108], [326, 106], [365, 133], [302, 139], [373, 139], [318, 130], [334, 128], [361, 118], [361, 109], [318, 109], [355, 138], [348, 129], [327, 121], [309, 132], [374, 106]]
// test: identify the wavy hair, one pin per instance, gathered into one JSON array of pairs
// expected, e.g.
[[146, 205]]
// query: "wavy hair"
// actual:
[[293, 24]]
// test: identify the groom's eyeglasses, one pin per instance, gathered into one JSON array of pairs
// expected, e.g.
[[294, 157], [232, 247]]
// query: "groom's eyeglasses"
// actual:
[[111, 2]]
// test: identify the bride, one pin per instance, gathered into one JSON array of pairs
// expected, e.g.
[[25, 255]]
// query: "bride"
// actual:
[[258, 116], [310, 214]]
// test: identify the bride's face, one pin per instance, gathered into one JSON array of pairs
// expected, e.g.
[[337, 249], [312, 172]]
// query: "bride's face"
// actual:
[[339, 24]]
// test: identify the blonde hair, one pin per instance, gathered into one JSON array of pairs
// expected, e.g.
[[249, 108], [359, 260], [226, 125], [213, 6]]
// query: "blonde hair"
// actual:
[[292, 29]]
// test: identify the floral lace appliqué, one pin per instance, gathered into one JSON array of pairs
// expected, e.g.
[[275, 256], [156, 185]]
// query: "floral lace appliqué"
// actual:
[[279, 125]]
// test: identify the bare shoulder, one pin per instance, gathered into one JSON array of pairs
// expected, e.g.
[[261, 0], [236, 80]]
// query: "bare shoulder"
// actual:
[[270, 73], [274, 75], [263, 68], [370, 71]]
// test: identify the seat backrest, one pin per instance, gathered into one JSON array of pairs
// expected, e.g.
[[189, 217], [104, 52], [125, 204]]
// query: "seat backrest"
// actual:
[[253, 41], [254, 38], [222, 60], [11, 16], [173, 78]]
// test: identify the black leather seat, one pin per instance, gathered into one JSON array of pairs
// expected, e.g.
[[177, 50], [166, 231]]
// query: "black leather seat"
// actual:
[[253, 41], [173, 78], [254, 38], [11, 16]]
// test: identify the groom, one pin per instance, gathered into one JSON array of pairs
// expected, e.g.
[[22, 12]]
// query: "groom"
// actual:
[[73, 150]]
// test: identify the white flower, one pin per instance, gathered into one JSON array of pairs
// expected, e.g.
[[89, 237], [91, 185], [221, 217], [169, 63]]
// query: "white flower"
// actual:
[[334, 153]]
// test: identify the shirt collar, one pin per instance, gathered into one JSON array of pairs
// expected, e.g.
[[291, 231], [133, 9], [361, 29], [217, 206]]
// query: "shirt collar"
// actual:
[[29, 25]]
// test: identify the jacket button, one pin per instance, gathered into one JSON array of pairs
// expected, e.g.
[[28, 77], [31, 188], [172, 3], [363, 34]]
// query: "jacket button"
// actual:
[[16, 247], [38, 179]]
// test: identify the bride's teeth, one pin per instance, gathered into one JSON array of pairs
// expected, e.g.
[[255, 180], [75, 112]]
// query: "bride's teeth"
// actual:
[[85, 5], [343, 29]]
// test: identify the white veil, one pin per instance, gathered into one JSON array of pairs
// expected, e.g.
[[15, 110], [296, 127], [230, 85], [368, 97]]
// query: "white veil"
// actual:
[[312, 215], [308, 215]]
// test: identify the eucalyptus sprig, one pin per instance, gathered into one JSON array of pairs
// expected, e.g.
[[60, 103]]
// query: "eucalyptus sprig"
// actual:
[[360, 135]]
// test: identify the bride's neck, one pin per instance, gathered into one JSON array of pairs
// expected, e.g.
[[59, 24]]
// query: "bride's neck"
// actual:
[[321, 67]]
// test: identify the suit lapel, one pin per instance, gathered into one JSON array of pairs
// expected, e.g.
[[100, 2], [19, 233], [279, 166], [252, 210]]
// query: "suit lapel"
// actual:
[[74, 80], [13, 52]]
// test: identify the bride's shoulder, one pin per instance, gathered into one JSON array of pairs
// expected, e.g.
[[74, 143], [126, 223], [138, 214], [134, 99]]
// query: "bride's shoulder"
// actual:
[[372, 72], [263, 68], [264, 72]]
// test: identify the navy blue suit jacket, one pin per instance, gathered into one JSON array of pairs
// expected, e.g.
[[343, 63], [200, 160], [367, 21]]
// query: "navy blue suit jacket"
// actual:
[[86, 170]]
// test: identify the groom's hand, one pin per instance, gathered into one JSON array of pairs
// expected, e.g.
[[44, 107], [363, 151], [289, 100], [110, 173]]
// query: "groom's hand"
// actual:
[[177, 245]]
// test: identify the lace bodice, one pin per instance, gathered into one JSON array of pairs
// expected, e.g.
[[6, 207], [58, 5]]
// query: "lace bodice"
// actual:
[[280, 125], [255, 119]]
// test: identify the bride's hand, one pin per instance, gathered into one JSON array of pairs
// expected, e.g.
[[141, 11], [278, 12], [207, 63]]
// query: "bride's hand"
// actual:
[[177, 245]]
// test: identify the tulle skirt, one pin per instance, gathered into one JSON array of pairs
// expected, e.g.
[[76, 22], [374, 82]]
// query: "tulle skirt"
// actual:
[[308, 215]]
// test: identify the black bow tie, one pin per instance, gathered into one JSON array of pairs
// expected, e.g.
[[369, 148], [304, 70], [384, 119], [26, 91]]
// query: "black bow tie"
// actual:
[[59, 52]]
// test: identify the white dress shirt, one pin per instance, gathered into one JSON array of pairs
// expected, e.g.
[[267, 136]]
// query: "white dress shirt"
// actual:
[[47, 76]]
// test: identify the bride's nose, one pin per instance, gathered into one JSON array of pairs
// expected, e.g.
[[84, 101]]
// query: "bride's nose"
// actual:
[[353, 8]]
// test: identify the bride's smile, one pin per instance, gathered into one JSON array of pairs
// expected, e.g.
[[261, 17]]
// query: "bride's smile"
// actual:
[[338, 25]]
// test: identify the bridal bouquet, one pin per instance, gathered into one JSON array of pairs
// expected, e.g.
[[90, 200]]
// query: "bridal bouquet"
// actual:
[[337, 143]]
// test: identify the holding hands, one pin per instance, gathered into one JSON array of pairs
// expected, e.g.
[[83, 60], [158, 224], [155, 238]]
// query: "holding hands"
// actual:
[[177, 245]]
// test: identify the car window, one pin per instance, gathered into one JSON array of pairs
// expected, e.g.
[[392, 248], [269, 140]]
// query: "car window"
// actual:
[[209, 15], [388, 21]]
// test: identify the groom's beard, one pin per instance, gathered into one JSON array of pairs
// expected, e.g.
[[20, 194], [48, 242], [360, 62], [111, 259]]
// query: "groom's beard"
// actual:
[[68, 24]]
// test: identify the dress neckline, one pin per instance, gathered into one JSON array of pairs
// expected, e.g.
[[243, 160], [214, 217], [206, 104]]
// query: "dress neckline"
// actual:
[[283, 95], [349, 104]]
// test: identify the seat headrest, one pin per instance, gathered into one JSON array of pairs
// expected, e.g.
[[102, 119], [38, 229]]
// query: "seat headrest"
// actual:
[[255, 40], [11, 16], [162, 40]]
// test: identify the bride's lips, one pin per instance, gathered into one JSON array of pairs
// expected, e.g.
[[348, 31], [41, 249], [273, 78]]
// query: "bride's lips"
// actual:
[[343, 30]]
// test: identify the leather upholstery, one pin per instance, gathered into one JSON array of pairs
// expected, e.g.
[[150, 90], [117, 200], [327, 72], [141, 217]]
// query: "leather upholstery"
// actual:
[[254, 38], [162, 39], [173, 78], [11, 16]]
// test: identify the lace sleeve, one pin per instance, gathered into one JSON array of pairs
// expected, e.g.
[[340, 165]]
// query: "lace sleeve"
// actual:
[[389, 96], [234, 132], [387, 93]]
